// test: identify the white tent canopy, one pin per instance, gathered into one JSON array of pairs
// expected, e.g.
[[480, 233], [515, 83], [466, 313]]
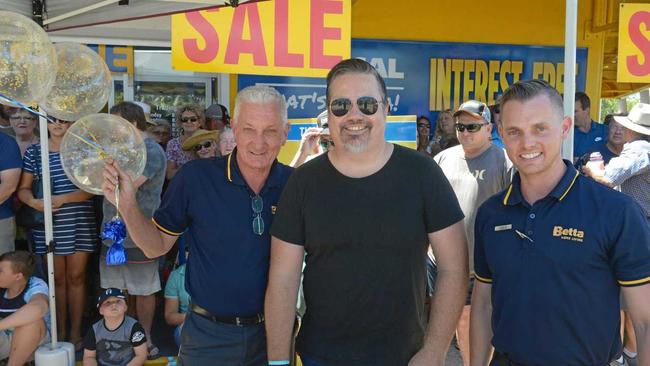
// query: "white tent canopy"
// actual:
[[136, 23]]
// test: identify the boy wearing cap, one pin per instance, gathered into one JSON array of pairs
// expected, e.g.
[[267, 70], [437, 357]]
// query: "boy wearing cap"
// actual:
[[24, 315], [117, 339]]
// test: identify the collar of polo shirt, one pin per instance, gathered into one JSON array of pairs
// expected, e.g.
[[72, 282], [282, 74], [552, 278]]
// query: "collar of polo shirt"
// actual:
[[233, 174], [513, 195]]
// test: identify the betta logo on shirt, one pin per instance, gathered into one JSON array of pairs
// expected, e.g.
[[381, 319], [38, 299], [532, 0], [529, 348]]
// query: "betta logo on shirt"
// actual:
[[568, 233]]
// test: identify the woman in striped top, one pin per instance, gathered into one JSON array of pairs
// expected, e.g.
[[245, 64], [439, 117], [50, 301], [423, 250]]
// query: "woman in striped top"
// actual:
[[74, 224]]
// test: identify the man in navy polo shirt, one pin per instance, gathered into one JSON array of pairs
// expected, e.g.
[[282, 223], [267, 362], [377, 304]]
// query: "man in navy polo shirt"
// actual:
[[586, 132], [224, 206], [10, 167], [553, 251]]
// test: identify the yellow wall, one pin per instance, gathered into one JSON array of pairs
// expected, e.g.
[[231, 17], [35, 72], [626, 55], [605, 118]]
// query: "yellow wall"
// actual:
[[524, 22]]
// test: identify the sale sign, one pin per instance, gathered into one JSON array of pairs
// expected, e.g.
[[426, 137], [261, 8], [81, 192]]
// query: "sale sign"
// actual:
[[279, 37], [634, 43]]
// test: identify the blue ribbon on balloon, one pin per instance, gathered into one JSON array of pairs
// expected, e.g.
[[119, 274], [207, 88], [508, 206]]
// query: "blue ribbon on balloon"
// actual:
[[115, 230]]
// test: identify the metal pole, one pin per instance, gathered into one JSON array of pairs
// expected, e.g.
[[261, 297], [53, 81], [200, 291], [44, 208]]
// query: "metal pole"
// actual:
[[49, 237], [570, 37]]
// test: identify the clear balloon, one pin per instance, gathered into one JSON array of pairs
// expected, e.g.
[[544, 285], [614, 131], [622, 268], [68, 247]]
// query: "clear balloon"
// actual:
[[94, 138], [27, 59], [82, 86]]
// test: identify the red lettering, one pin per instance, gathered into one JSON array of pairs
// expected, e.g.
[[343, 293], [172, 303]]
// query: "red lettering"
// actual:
[[319, 33], [641, 42], [238, 45], [282, 55], [209, 34]]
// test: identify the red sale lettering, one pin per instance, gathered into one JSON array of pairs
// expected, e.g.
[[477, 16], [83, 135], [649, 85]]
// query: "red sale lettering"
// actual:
[[641, 42], [238, 45], [209, 34], [319, 33], [282, 55]]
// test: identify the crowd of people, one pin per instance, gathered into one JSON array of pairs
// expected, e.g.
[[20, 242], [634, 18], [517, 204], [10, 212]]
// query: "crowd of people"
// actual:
[[362, 252]]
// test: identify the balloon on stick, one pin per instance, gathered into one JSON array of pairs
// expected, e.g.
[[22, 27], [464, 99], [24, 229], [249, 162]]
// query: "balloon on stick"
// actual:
[[94, 138], [28, 61], [82, 86]]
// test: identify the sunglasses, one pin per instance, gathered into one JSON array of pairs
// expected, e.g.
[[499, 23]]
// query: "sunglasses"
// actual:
[[471, 127], [59, 121], [342, 106], [199, 147], [189, 119], [257, 204], [423, 125]]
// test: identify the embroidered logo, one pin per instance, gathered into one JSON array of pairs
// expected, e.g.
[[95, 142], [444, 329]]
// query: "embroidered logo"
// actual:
[[273, 209], [479, 174], [568, 233], [137, 336]]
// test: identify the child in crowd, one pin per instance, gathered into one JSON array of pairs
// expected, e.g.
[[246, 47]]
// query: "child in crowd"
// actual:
[[24, 315], [177, 300], [117, 339]]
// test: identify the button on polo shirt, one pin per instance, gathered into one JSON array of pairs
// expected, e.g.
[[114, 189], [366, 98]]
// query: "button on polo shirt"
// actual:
[[209, 201], [556, 268]]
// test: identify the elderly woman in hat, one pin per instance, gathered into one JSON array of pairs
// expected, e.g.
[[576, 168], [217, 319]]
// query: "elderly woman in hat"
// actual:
[[203, 143]]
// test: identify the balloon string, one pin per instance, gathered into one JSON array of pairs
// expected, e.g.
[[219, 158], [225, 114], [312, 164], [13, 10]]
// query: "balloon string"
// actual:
[[117, 199], [92, 137], [25, 107], [92, 144]]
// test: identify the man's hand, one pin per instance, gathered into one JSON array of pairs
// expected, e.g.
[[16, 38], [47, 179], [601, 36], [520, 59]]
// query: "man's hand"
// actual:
[[309, 140], [114, 176], [426, 358]]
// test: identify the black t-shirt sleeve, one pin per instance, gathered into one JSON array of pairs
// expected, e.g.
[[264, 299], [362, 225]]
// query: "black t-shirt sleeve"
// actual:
[[288, 223], [138, 335], [89, 340], [441, 208]]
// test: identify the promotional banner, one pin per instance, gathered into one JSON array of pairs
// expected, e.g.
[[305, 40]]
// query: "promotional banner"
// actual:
[[401, 130], [423, 78], [280, 37], [633, 44]]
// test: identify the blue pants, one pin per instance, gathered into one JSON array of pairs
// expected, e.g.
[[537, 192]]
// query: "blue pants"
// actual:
[[206, 342]]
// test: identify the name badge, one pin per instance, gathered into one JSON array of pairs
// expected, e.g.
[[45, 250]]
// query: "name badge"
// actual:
[[503, 227]]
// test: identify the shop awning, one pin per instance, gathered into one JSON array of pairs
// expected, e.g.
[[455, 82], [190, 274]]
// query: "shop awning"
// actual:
[[117, 22]]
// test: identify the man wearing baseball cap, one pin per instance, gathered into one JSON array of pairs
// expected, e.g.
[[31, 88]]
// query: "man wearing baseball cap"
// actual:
[[476, 169], [216, 117]]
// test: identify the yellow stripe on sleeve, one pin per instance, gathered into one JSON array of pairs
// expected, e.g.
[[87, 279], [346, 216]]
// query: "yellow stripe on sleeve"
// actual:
[[634, 282], [483, 279], [168, 232]]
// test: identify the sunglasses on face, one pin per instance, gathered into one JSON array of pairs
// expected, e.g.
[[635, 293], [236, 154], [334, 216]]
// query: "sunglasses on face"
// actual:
[[59, 121], [189, 119], [199, 147], [471, 127], [342, 106], [257, 204], [423, 125]]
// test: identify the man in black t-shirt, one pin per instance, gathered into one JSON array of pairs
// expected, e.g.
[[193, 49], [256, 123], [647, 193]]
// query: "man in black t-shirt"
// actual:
[[365, 214]]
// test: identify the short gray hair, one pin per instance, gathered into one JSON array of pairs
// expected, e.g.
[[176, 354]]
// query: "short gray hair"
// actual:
[[261, 94]]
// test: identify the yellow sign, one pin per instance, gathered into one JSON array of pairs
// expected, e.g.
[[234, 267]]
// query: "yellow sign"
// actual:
[[634, 43], [280, 37], [452, 80]]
